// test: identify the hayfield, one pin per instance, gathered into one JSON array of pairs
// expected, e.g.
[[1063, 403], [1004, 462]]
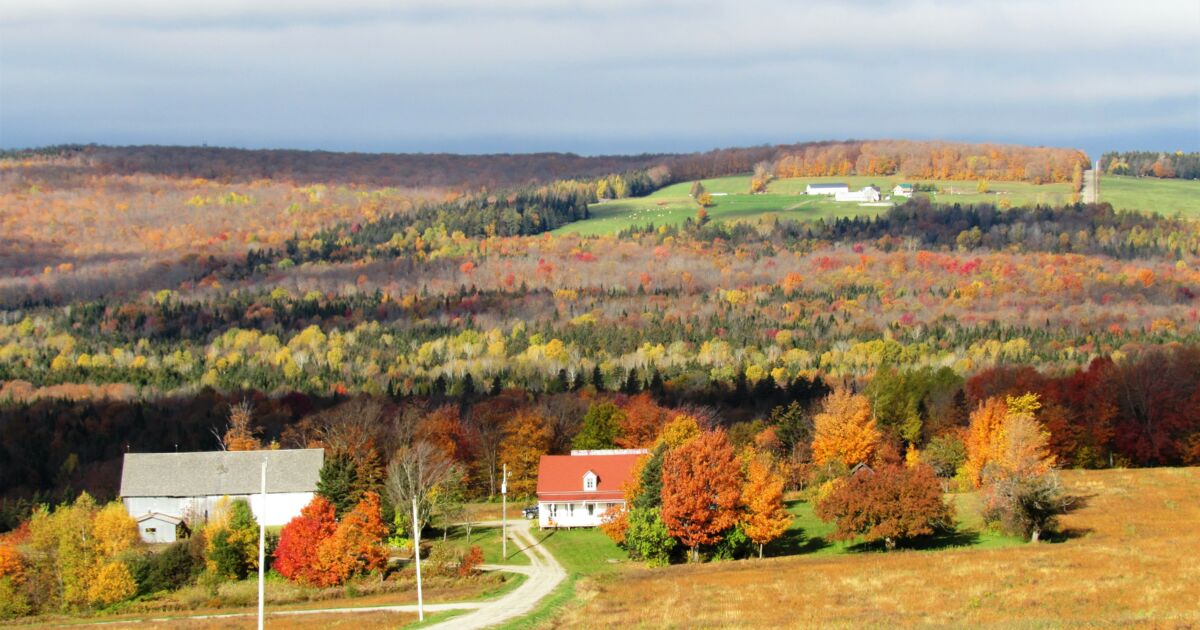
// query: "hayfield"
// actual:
[[1128, 557], [1164, 196], [785, 198]]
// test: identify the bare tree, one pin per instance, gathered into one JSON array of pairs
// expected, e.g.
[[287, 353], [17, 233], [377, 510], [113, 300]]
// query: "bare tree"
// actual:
[[239, 435], [414, 473]]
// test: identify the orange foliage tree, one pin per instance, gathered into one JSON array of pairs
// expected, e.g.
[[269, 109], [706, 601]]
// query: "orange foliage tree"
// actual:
[[296, 556], [240, 435], [643, 421], [527, 438], [355, 547], [844, 430], [762, 501], [701, 488]]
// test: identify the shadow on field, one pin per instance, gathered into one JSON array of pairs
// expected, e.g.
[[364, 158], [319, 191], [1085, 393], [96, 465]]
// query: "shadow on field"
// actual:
[[795, 543]]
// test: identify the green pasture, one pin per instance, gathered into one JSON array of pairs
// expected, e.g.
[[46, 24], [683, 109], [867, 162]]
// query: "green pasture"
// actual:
[[1169, 197], [785, 198]]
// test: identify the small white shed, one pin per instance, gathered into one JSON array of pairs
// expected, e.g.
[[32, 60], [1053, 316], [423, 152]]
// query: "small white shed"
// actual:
[[158, 528]]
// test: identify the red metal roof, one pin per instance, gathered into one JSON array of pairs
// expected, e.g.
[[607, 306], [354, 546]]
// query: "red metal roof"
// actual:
[[560, 477]]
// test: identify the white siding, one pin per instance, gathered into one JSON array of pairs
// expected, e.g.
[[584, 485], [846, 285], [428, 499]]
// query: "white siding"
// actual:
[[280, 508], [574, 513], [157, 530]]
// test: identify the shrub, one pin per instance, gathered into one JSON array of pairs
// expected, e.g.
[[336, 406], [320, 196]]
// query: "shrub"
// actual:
[[169, 570], [647, 537], [891, 504], [470, 562], [1027, 506], [13, 602], [734, 544]]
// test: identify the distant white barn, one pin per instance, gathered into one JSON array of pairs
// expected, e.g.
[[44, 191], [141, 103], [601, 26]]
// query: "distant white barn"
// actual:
[[869, 194], [162, 490], [826, 189]]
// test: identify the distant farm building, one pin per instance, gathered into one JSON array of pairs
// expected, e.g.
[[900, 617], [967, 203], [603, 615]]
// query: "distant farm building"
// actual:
[[164, 490], [826, 189], [902, 190], [577, 490], [868, 194]]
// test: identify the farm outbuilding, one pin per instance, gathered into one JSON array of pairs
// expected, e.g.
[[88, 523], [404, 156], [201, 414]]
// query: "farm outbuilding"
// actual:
[[902, 190], [186, 487], [158, 528], [869, 194], [826, 189]]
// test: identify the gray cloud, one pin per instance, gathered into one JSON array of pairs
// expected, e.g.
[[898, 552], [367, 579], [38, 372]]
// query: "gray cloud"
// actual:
[[593, 76]]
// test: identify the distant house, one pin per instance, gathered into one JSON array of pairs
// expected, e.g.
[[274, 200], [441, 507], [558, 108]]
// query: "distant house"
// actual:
[[869, 194], [164, 490], [576, 490], [826, 189], [902, 190]]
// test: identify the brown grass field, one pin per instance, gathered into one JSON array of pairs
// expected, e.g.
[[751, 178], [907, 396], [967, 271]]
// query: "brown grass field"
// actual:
[[1129, 557]]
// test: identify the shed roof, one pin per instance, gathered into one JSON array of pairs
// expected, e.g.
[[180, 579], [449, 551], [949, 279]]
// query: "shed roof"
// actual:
[[560, 477], [219, 473]]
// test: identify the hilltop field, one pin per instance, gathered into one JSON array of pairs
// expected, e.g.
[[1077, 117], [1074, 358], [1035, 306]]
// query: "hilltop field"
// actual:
[[785, 199], [1126, 558]]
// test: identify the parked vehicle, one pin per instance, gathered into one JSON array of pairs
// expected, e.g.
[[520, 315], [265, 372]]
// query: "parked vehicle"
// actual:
[[530, 512]]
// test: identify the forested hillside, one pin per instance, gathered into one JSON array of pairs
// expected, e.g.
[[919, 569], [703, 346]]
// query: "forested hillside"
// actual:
[[137, 306]]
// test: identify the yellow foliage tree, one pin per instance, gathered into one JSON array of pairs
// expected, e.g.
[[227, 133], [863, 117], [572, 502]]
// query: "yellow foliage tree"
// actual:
[[762, 500], [844, 430], [678, 432], [113, 583], [114, 530]]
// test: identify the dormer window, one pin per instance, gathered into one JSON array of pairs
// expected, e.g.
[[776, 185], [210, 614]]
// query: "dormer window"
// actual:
[[589, 481]]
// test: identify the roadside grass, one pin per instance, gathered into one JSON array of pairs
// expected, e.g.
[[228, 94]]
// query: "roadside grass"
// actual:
[[488, 539], [1125, 557], [1168, 197], [785, 198], [436, 618], [355, 621]]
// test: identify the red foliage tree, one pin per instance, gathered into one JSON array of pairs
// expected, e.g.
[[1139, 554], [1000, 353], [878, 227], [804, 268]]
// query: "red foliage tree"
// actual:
[[643, 421], [296, 556], [891, 504], [355, 547]]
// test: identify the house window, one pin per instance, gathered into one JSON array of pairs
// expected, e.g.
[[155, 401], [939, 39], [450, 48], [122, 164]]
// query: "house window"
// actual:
[[151, 530], [553, 510], [591, 508], [570, 509], [589, 481]]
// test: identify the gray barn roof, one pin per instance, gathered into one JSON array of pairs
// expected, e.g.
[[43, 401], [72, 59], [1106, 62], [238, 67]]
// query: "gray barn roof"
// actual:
[[219, 473]]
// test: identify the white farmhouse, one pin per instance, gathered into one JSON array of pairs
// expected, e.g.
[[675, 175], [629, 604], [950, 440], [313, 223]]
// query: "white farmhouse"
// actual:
[[576, 490], [869, 194], [826, 189], [163, 490], [902, 190]]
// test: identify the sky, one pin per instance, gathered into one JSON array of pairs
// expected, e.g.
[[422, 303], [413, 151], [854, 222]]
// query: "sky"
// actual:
[[618, 76]]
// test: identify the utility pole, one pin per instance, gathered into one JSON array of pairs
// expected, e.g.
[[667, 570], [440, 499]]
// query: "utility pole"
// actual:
[[262, 542], [504, 515], [417, 555]]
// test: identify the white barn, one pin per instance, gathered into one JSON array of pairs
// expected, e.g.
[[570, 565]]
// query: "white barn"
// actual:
[[869, 194], [826, 189], [162, 490], [577, 490]]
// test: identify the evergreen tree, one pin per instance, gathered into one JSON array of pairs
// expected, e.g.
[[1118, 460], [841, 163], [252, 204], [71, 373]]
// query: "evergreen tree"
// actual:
[[337, 483]]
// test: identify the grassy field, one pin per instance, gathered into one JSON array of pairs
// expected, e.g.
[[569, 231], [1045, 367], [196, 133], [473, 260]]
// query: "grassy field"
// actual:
[[488, 539], [785, 198], [1164, 196], [1127, 558]]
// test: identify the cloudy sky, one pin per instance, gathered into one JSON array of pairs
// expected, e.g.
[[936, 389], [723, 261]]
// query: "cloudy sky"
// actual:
[[592, 77]]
